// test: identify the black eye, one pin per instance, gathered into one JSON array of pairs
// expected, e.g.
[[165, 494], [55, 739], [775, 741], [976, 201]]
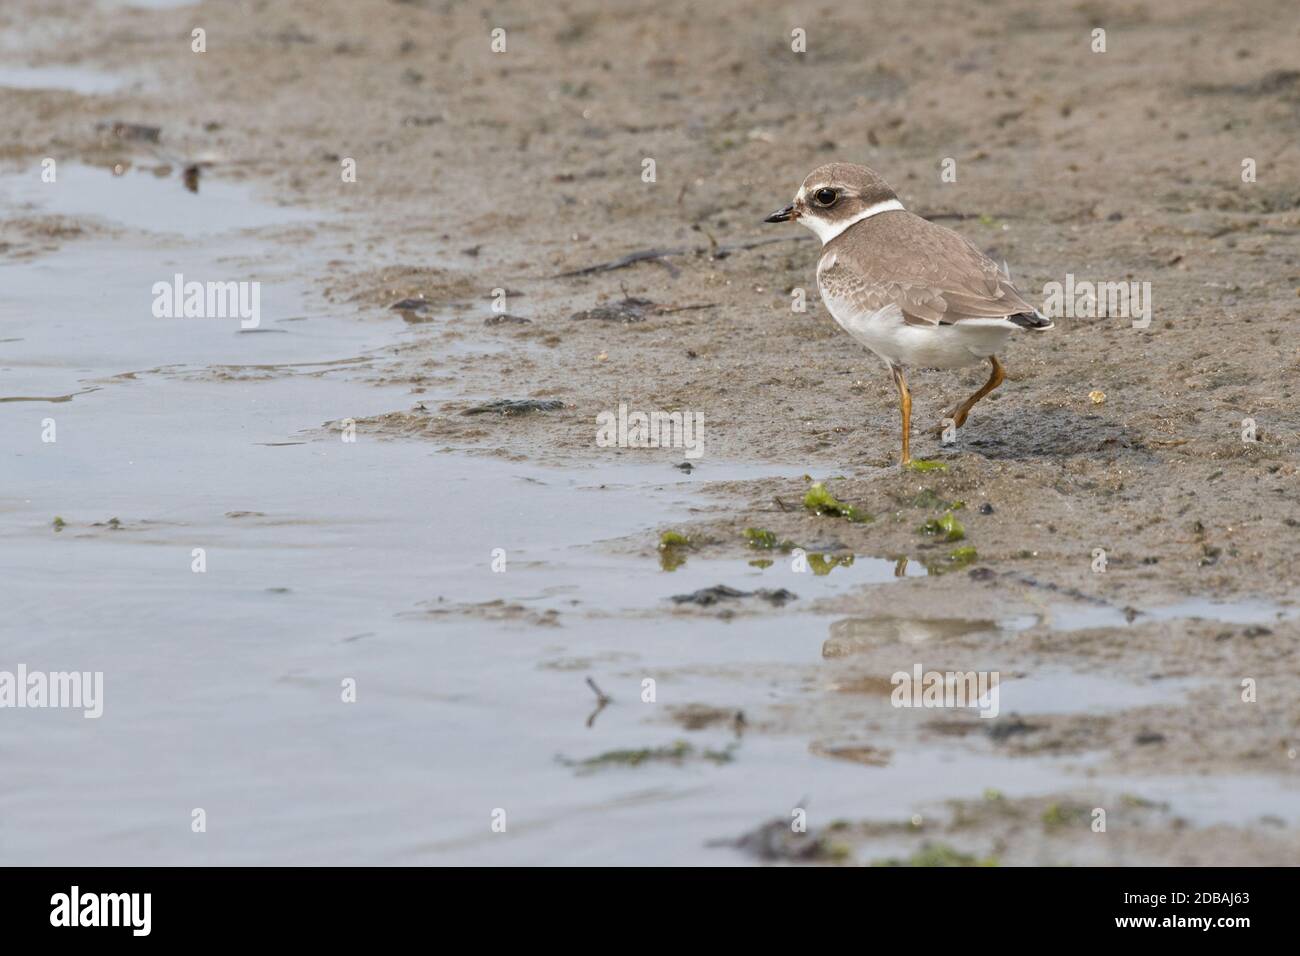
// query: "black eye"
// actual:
[[825, 197]]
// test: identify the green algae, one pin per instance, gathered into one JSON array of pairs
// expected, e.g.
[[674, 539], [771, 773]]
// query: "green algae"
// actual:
[[824, 564], [964, 555], [677, 752], [820, 501], [920, 464], [948, 526], [931, 500], [673, 546], [1061, 815], [765, 540], [938, 854]]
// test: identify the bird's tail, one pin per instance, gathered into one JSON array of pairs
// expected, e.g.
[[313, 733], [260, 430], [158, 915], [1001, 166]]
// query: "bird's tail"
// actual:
[[1034, 321]]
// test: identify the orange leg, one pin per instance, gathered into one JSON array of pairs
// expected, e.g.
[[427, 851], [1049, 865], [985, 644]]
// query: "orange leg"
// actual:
[[905, 406], [995, 379]]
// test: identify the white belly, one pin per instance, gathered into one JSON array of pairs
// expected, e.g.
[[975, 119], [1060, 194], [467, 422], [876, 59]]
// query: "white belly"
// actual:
[[923, 346]]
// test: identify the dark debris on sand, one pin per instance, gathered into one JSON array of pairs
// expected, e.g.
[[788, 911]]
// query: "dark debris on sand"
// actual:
[[707, 597], [628, 309], [515, 406], [775, 840]]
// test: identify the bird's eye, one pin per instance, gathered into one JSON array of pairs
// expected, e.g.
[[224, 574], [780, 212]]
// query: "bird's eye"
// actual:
[[825, 197]]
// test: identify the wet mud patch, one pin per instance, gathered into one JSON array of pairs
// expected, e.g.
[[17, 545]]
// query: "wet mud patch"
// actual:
[[455, 421], [27, 237], [496, 610], [678, 754], [721, 594], [778, 842], [1055, 830], [414, 289], [694, 717], [1054, 433], [514, 406]]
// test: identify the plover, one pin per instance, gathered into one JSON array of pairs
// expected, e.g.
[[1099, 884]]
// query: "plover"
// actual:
[[913, 292]]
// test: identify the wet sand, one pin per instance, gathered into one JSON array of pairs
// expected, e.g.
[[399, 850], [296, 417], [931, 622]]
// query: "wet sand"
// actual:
[[372, 560]]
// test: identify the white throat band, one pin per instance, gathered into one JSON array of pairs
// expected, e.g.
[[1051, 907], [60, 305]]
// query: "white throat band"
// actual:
[[826, 231]]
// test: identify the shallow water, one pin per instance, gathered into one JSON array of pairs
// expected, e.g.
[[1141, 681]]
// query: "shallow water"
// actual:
[[73, 79], [372, 561], [147, 198], [79, 317], [1244, 611], [1066, 692]]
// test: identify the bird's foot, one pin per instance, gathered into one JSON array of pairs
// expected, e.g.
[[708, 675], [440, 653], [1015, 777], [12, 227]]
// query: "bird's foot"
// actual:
[[955, 419]]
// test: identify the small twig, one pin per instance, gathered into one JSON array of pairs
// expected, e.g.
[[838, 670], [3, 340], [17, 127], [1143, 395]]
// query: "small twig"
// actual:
[[666, 310], [963, 216], [601, 697], [657, 255], [755, 243], [713, 243], [632, 258], [602, 701]]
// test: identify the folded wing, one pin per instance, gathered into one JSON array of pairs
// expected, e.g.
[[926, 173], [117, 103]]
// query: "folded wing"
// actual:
[[931, 273]]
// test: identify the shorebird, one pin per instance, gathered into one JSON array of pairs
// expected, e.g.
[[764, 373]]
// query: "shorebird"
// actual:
[[913, 292]]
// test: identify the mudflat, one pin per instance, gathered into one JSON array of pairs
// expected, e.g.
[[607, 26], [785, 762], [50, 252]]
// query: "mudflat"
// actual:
[[475, 270]]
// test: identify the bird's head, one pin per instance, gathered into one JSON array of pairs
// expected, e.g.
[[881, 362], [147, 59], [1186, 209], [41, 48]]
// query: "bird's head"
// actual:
[[835, 196]]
